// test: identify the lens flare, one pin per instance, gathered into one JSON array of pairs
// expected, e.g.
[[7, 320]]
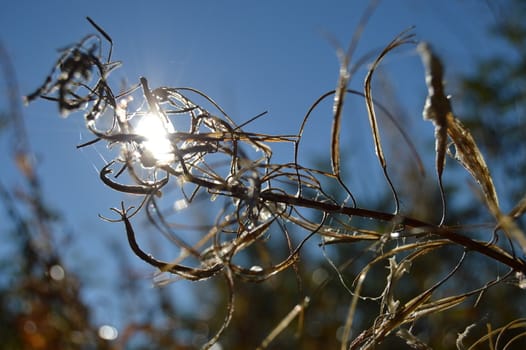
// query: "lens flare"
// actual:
[[156, 149]]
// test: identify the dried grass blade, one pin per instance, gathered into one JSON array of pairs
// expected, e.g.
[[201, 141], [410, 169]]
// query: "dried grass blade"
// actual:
[[459, 342], [343, 81], [104, 34], [437, 105], [341, 89], [413, 308], [402, 38], [229, 312], [439, 111], [468, 154], [436, 109], [508, 224], [519, 209], [411, 340], [515, 324], [438, 305], [352, 311], [511, 228], [297, 310]]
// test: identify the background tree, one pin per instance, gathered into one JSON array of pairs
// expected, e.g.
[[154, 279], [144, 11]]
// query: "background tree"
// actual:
[[493, 97]]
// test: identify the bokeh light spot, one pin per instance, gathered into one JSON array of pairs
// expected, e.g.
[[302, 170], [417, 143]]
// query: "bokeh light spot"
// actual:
[[57, 273], [107, 332]]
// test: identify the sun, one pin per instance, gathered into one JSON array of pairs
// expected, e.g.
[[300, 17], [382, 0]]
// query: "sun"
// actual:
[[156, 149]]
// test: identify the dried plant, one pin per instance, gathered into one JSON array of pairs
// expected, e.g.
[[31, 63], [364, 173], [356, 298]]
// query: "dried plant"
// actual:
[[176, 145]]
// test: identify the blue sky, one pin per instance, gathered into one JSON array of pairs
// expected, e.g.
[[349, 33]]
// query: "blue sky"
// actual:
[[250, 56]]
